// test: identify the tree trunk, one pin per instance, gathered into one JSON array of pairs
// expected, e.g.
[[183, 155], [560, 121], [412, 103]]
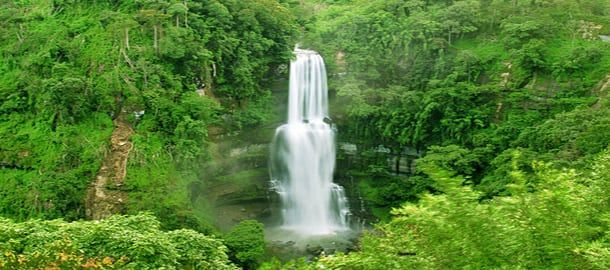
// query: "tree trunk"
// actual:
[[397, 165], [534, 79], [20, 33], [493, 21], [155, 39], [127, 38], [186, 13]]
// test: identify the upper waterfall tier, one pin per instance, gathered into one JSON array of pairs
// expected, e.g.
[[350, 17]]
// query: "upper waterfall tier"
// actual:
[[308, 98], [304, 51]]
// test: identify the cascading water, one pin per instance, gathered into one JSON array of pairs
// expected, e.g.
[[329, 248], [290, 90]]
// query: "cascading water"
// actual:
[[303, 154]]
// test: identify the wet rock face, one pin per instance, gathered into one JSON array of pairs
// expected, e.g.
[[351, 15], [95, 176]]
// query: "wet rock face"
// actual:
[[281, 245], [283, 249], [235, 185], [234, 203], [308, 248], [314, 250], [250, 194]]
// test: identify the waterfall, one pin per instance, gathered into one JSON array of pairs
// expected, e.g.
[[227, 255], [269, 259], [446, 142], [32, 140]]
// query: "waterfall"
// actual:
[[303, 154]]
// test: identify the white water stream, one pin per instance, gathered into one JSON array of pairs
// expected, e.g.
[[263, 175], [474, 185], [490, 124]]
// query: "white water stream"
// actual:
[[303, 154]]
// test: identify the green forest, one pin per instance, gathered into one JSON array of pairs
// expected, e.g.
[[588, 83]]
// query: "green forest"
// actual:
[[134, 134]]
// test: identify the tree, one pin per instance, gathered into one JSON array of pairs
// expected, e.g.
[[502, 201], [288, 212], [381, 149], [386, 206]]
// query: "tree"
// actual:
[[246, 243], [118, 242], [454, 229]]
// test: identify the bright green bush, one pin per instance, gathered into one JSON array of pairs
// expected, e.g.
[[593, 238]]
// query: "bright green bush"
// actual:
[[119, 242], [246, 243], [562, 224]]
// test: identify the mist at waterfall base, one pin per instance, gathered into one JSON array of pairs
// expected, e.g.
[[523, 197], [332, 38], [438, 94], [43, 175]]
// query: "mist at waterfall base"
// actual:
[[302, 161]]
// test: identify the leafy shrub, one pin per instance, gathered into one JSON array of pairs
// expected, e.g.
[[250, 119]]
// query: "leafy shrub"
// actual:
[[119, 242], [246, 243], [563, 224]]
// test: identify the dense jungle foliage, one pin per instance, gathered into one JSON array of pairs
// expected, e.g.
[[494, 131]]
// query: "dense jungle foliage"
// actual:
[[465, 84], [482, 127], [69, 68], [173, 70]]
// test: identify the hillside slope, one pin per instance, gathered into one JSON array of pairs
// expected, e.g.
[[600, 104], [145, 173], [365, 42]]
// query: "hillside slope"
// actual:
[[168, 69]]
